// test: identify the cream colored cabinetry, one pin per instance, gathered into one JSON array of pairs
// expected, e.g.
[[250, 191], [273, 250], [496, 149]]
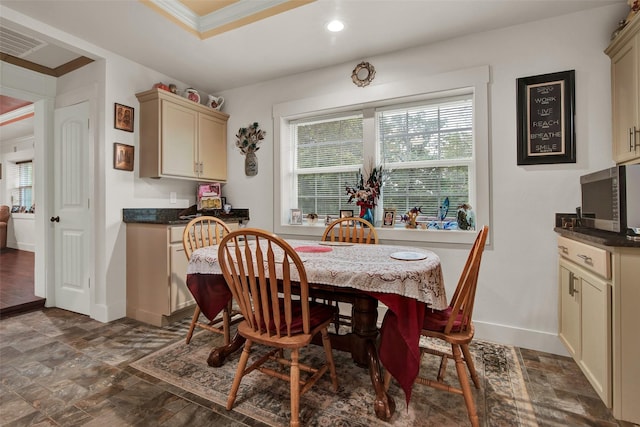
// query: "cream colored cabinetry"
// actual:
[[599, 298], [626, 345], [180, 138], [585, 311], [156, 273], [569, 324], [624, 52]]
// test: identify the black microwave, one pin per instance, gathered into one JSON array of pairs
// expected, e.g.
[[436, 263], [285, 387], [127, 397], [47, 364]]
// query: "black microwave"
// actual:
[[611, 198]]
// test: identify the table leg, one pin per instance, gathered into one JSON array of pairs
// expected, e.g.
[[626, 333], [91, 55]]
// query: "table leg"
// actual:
[[218, 355], [365, 353]]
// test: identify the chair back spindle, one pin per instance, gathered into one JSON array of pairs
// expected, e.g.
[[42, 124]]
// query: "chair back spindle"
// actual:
[[352, 230]]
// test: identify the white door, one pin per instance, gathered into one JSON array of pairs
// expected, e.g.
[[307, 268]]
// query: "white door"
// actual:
[[70, 214]]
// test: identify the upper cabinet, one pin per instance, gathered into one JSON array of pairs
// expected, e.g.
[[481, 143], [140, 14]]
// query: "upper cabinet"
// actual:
[[180, 138], [624, 52]]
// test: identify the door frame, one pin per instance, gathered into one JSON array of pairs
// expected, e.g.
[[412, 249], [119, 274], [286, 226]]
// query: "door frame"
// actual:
[[19, 83]]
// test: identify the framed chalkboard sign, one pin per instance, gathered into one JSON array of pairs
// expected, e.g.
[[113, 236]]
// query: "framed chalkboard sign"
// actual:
[[546, 108]]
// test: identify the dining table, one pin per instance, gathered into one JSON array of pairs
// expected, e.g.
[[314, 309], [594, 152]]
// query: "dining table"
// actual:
[[407, 280]]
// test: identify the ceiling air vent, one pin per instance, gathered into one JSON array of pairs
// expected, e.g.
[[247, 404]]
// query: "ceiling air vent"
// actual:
[[16, 44]]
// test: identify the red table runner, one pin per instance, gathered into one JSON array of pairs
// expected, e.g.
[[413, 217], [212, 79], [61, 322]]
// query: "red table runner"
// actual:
[[400, 333]]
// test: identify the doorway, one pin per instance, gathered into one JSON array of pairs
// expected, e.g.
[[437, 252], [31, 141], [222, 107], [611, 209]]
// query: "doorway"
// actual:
[[16, 283], [17, 260]]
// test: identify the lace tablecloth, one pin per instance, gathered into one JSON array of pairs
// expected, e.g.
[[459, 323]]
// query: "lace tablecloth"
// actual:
[[369, 268]]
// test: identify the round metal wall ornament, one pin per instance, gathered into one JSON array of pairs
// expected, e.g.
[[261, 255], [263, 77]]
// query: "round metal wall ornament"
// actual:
[[363, 74]]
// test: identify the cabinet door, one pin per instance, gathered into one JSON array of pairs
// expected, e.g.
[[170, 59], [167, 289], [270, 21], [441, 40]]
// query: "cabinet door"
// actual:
[[212, 148], [180, 297], [625, 103], [179, 133], [596, 337], [570, 311]]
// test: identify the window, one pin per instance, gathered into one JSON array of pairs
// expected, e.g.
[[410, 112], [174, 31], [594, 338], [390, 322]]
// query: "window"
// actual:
[[426, 150], [430, 135], [22, 189]]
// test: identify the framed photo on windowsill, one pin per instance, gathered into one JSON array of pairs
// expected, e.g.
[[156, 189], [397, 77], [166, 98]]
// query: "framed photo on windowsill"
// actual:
[[296, 217], [546, 109], [389, 218]]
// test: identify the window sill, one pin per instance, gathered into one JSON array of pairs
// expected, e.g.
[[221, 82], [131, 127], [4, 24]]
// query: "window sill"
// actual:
[[396, 234]]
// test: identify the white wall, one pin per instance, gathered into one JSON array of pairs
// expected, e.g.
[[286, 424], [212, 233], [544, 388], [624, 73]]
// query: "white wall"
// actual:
[[517, 296]]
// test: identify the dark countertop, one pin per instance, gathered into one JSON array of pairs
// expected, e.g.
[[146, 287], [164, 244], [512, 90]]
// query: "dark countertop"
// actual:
[[599, 237], [177, 216]]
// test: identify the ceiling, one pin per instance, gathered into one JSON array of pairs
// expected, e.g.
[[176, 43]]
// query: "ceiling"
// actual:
[[287, 39]]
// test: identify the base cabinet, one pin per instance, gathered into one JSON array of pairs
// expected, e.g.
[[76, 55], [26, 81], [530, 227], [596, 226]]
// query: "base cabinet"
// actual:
[[585, 324], [157, 292], [599, 298], [626, 342]]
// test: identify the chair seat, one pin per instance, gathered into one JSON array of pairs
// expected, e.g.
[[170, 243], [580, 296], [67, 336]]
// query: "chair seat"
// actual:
[[436, 320], [319, 314]]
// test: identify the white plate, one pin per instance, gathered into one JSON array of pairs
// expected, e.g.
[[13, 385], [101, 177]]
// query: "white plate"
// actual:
[[329, 243], [408, 256]]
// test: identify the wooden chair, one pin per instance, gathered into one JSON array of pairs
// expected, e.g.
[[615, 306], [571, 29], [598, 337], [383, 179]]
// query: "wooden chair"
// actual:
[[349, 230], [263, 272], [198, 233], [352, 230], [457, 330]]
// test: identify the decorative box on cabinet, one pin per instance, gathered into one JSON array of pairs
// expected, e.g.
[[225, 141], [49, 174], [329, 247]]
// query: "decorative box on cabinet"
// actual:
[[624, 52], [157, 293], [180, 138], [599, 297]]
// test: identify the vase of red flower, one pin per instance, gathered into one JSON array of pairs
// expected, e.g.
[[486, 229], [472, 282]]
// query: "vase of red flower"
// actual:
[[366, 193], [366, 211]]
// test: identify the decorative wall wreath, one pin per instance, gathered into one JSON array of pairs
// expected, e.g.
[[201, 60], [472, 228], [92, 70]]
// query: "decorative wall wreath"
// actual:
[[363, 74]]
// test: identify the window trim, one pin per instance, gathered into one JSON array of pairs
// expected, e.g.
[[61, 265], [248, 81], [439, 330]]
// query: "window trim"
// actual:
[[476, 79]]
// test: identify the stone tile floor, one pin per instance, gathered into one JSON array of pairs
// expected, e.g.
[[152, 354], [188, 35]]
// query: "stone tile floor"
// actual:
[[59, 368]]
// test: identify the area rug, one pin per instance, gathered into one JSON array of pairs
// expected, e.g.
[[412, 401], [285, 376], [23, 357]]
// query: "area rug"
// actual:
[[502, 400]]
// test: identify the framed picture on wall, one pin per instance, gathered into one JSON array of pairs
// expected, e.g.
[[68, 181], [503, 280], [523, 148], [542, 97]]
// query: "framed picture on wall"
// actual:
[[546, 110], [123, 117], [123, 157]]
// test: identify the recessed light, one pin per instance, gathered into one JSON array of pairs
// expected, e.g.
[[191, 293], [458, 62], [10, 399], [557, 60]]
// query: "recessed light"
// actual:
[[335, 26]]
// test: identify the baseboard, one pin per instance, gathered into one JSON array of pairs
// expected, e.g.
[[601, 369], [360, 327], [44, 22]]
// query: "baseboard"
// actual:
[[108, 313], [28, 247], [519, 337]]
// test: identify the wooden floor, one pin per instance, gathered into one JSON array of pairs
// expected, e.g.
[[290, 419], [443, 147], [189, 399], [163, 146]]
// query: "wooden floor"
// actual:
[[16, 283]]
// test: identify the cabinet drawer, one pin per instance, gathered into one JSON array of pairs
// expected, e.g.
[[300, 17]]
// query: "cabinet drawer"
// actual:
[[175, 234], [593, 259]]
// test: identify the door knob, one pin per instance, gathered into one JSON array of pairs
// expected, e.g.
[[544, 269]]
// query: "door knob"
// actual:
[[55, 219]]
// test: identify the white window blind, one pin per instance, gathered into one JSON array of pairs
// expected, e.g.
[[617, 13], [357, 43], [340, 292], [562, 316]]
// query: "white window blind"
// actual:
[[328, 153], [22, 189], [427, 151]]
